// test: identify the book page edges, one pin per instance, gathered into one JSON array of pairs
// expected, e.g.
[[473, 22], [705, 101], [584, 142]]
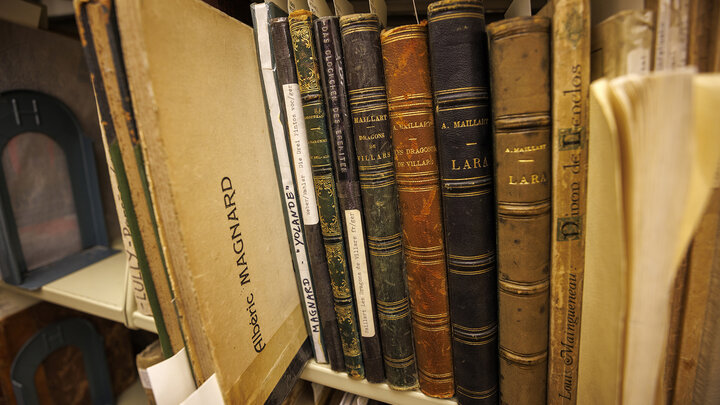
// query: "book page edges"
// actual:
[[606, 268]]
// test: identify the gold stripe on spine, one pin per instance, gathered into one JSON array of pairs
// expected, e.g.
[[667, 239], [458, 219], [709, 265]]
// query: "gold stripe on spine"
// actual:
[[477, 394], [523, 359], [457, 15]]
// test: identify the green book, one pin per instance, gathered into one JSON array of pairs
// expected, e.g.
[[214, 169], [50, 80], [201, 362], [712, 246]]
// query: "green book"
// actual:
[[321, 161]]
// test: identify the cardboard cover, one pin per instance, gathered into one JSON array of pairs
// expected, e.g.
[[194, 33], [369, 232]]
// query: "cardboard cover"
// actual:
[[197, 97]]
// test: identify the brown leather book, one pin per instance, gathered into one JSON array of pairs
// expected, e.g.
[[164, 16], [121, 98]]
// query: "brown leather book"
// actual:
[[407, 75], [520, 83]]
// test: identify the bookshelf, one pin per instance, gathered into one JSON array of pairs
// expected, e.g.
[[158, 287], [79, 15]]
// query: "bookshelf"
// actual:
[[101, 289], [322, 374]]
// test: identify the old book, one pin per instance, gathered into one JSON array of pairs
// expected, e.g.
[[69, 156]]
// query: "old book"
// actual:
[[462, 125], [661, 40], [520, 82], [678, 34], [699, 327], [704, 35], [412, 128], [653, 224], [570, 81], [374, 151], [327, 39], [98, 28], [308, 75], [222, 230], [262, 14], [150, 356], [137, 285], [622, 44], [22, 47]]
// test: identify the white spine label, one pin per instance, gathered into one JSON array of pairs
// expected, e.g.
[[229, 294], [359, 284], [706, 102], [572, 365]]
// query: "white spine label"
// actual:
[[361, 281], [301, 154], [638, 61], [289, 192]]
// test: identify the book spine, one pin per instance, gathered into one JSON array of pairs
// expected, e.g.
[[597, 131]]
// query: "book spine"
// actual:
[[520, 81], [412, 126], [87, 13], [360, 35], [262, 13], [462, 121], [306, 139], [327, 37], [571, 85], [136, 282]]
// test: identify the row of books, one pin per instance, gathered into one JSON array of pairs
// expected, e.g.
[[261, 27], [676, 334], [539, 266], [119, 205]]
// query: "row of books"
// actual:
[[416, 159], [427, 183]]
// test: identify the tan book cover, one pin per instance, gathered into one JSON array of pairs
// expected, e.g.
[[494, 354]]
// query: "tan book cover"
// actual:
[[122, 127], [622, 44], [197, 99], [571, 82]]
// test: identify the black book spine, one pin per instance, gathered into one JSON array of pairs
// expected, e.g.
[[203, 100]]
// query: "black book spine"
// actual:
[[327, 40], [459, 70], [360, 34], [288, 80]]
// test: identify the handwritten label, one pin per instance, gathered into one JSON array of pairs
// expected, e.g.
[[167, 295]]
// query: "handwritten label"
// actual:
[[361, 281], [300, 153]]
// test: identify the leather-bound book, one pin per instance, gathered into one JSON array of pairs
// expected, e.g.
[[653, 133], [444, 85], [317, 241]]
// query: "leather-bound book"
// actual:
[[309, 203], [520, 81], [459, 71], [327, 40], [412, 126], [374, 150]]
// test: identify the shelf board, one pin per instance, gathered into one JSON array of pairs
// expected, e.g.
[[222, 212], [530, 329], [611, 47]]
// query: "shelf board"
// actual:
[[99, 289], [134, 395], [322, 374]]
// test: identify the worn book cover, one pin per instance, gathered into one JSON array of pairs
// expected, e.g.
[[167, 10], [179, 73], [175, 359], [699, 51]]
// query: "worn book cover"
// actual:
[[374, 152], [215, 189], [520, 79], [461, 92], [297, 135], [570, 81], [332, 73], [331, 220], [622, 44], [412, 126]]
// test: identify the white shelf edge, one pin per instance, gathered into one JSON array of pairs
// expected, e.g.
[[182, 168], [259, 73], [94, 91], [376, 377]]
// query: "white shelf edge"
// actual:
[[100, 289], [322, 374], [133, 395]]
